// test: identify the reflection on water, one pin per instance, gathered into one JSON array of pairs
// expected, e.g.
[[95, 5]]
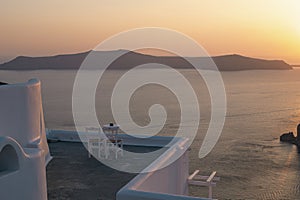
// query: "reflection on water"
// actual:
[[249, 158]]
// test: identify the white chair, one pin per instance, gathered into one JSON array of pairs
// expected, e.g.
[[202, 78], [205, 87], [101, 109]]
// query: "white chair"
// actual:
[[96, 143], [103, 144], [114, 145]]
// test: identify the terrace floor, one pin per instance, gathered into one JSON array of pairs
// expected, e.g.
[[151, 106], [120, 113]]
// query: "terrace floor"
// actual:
[[71, 174]]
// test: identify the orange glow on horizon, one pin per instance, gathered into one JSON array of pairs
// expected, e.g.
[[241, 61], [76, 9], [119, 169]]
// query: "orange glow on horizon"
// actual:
[[266, 29]]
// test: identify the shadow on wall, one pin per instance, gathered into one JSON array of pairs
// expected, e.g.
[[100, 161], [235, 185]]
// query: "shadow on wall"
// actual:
[[8, 160]]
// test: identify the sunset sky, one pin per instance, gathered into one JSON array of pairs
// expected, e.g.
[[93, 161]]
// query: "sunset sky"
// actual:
[[258, 28]]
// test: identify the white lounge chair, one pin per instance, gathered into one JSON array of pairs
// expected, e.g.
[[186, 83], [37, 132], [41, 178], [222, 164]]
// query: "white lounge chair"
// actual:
[[207, 181]]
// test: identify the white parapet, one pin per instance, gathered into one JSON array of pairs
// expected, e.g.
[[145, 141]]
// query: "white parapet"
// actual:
[[24, 151], [167, 183]]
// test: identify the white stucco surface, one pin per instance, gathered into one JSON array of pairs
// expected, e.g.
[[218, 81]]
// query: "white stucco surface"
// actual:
[[24, 151], [168, 183]]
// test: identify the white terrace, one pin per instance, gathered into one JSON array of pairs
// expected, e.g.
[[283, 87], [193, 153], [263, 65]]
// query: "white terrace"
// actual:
[[24, 154]]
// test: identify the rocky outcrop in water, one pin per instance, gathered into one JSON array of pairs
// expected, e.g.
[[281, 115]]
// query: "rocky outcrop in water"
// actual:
[[290, 138]]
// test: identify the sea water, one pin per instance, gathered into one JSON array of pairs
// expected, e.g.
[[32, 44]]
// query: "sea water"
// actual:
[[248, 157]]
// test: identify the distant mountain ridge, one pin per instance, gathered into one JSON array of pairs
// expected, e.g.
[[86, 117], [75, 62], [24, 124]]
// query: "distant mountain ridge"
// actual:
[[131, 59]]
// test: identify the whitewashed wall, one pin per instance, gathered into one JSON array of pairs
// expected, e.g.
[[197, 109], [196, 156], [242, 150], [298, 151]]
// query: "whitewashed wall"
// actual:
[[24, 151], [21, 115], [169, 183]]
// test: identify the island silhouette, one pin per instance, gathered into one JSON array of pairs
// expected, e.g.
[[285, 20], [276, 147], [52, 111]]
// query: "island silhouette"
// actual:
[[131, 59]]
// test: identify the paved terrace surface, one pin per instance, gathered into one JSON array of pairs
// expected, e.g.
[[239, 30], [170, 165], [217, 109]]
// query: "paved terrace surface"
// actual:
[[72, 175]]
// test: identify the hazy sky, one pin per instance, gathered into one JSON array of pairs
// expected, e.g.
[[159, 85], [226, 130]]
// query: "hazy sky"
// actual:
[[258, 28]]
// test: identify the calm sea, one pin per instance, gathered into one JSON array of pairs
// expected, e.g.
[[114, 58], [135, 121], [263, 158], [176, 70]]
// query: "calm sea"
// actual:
[[248, 157]]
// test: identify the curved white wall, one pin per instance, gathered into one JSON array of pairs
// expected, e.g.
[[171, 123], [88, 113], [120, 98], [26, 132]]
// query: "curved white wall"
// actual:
[[168, 183], [21, 115], [24, 151], [27, 179]]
